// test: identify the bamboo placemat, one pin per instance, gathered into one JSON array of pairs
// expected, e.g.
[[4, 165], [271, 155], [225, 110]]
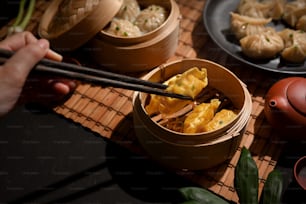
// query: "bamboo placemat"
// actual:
[[108, 111]]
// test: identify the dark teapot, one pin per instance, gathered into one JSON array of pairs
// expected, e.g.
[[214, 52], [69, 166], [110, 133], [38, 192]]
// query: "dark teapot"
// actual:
[[285, 107]]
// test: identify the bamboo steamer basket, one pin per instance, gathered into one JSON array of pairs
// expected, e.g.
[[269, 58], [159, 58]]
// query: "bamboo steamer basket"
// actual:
[[69, 25], [137, 54], [169, 5], [193, 151]]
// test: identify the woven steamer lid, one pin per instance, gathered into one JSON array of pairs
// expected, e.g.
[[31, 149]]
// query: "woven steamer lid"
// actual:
[[68, 24]]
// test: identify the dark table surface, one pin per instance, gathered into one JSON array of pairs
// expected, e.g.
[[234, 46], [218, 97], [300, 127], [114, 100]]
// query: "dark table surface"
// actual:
[[45, 158]]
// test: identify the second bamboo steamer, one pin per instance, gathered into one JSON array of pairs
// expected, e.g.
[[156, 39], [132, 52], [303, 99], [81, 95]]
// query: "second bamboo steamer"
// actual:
[[131, 54]]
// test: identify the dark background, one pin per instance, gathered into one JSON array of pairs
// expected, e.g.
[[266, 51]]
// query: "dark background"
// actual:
[[44, 158], [8, 10]]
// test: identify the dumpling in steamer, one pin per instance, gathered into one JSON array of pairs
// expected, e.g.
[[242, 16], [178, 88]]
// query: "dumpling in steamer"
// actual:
[[243, 26], [151, 18], [295, 45], [199, 116], [129, 10], [264, 45], [123, 28], [222, 118], [190, 83]]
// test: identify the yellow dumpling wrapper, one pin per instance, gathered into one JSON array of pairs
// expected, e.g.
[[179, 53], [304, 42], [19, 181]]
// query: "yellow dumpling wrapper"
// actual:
[[200, 115], [221, 119], [190, 83]]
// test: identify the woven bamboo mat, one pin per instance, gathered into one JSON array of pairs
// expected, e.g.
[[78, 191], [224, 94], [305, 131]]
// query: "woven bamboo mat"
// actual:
[[108, 111]]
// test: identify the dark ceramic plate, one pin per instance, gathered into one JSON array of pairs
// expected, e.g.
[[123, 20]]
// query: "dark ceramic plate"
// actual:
[[216, 16]]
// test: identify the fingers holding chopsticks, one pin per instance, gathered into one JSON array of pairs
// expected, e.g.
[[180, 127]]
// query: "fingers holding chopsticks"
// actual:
[[14, 71], [28, 51]]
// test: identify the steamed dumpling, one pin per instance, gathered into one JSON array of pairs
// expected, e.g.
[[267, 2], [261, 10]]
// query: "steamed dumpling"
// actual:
[[151, 18], [243, 26], [123, 28], [294, 11], [259, 41], [199, 116], [263, 45], [261, 9], [221, 119], [190, 83], [129, 10], [131, 21], [293, 17], [295, 45], [253, 8], [301, 24], [277, 9]]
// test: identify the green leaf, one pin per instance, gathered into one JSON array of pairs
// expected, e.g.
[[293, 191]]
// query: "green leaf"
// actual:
[[273, 188], [246, 178], [201, 195], [191, 202]]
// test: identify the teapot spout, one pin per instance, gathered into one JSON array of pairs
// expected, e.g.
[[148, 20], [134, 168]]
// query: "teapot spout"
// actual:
[[277, 103], [273, 103]]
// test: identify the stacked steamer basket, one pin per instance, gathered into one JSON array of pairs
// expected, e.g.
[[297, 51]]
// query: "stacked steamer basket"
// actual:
[[140, 53], [69, 25], [193, 151]]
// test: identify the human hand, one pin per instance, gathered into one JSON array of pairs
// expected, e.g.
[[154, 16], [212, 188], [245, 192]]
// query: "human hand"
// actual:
[[16, 83]]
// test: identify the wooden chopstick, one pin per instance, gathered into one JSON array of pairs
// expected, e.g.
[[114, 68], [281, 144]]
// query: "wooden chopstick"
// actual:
[[96, 72], [96, 76]]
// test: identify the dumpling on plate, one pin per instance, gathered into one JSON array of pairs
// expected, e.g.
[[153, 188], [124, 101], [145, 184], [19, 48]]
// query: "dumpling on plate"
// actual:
[[277, 9], [301, 24], [243, 26], [261, 9], [263, 45], [253, 8], [295, 45], [129, 10], [151, 18], [294, 10]]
